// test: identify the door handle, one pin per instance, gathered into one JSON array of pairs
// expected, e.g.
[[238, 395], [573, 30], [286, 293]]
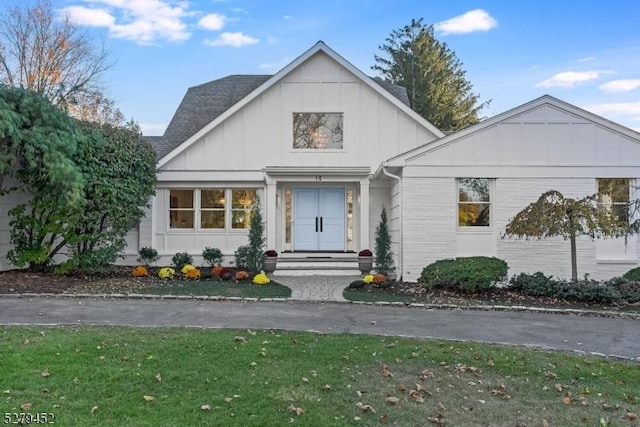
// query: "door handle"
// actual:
[[321, 224], [316, 224]]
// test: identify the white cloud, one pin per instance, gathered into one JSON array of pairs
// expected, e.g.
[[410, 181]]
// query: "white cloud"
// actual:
[[587, 59], [212, 21], [88, 16], [232, 39], [616, 109], [275, 65], [142, 21], [569, 79], [622, 85], [474, 20]]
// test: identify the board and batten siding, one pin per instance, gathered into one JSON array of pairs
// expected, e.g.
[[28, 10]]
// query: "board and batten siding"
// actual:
[[261, 133]]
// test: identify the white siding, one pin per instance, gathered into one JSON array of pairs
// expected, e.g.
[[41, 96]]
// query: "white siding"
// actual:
[[7, 202], [260, 134]]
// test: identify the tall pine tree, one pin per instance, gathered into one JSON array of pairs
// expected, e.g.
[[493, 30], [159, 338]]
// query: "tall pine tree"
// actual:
[[432, 74]]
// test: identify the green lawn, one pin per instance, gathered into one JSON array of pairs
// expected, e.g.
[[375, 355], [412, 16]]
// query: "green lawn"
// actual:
[[101, 375]]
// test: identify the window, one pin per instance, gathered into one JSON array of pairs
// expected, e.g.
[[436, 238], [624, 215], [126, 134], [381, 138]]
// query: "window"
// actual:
[[474, 202], [317, 130], [181, 209], [614, 196], [243, 203], [213, 209]]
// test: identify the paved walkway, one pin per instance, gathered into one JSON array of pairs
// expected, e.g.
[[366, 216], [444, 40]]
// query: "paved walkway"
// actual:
[[316, 288]]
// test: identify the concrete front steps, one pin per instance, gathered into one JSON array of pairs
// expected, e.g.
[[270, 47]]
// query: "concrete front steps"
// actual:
[[317, 264]]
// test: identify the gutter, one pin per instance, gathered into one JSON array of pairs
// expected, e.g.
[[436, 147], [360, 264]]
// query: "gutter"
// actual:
[[400, 234]]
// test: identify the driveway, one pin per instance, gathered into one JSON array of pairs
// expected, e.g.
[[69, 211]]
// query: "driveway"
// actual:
[[617, 337]]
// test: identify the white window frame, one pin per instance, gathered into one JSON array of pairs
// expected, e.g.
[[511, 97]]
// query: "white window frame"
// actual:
[[478, 229]]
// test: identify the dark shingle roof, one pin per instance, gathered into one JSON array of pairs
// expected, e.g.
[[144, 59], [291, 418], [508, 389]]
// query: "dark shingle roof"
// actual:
[[203, 103]]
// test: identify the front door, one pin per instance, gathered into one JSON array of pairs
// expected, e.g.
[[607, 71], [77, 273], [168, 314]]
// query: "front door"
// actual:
[[319, 219]]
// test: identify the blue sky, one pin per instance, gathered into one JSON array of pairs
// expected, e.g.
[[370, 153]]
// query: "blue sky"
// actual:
[[586, 52]]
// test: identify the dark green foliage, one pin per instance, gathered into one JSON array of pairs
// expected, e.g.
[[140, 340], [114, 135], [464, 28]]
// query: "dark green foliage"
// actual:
[[212, 255], [118, 165], [465, 274], [618, 290], [181, 259], [383, 256], [356, 284], [240, 256], [255, 252], [148, 255], [432, 74], [633, 274]]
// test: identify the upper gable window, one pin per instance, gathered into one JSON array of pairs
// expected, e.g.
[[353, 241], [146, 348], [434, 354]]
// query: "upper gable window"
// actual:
[[317, 130]]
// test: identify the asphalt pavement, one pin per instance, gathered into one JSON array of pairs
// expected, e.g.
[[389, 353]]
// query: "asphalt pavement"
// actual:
[[610, 336]]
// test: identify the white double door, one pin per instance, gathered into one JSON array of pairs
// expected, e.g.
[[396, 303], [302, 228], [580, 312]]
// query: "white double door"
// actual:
[[319, 219]]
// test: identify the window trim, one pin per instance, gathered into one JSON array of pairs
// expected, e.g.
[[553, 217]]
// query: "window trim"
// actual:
[[315, 150], [475, 229], [612, 204], [197, 209]]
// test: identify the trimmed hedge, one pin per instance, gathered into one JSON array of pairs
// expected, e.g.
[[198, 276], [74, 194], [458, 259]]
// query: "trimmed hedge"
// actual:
[[617, 290], [465, 274], [633, 274]]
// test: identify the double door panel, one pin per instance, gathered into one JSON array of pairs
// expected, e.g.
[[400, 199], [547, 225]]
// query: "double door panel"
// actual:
[[319, 219]]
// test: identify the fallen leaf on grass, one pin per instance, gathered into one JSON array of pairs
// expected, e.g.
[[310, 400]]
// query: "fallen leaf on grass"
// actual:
[[490, 363], [205, 407], [545, 423], [441, 407], [326, 387], [158, 377], [438, 419], [631, 416], [386, 372], [550, 375], [228, 399], [26, 406], [94, 409], [305, 380], [384, 418], [45, 373], [558, 387], [392, 400], [148, 398], [239, 339], [365, 408], [420, 387], [298, 411], [566, 400]]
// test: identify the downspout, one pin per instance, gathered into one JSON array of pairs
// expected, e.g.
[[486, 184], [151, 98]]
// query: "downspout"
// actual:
[[400, 203]]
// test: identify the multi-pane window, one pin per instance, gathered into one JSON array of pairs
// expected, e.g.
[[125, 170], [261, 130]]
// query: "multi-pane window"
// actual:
[[474, 202], [211, 208], [243, 204], [181, 209], [614, 196], [317, 130]]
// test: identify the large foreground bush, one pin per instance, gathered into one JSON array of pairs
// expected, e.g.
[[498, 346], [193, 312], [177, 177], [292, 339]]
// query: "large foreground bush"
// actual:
[[466, 274]]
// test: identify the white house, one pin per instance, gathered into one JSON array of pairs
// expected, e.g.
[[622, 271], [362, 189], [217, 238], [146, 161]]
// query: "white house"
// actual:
[[325, 147]]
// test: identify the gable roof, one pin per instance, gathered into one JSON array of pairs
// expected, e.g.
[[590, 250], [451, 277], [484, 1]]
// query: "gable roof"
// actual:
[[205, 106], [401, 159]]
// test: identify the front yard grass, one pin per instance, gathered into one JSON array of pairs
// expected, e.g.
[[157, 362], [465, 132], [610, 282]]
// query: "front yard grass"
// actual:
[[164, 377]]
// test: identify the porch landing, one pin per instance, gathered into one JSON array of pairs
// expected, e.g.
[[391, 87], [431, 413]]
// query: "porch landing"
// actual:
[[317, 264]]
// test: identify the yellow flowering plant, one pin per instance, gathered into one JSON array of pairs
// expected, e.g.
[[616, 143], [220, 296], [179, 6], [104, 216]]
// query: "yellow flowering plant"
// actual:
[[261, 279], [167, 273], [368, 278], [186, 268]]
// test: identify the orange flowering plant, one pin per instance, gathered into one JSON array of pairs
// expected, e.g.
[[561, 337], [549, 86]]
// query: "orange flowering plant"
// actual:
[[140, 271]]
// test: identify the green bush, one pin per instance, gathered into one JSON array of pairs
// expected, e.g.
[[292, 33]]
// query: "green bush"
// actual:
[[633, 274], [466, 274], [241, 255], [148, 255], [181, 259], [539, 285], [212, 255], [629, 289]]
